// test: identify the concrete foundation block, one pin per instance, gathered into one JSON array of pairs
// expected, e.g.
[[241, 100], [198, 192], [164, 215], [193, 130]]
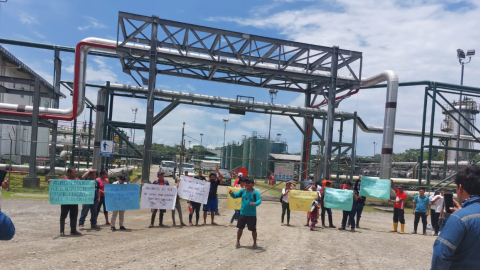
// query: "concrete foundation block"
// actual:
[[31, 182]]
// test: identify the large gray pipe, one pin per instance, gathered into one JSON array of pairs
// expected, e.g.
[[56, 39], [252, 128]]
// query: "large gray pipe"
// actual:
[[389, 120], [63, 170]]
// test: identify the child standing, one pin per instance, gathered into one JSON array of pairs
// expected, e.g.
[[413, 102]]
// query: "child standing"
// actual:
[[314, 211]]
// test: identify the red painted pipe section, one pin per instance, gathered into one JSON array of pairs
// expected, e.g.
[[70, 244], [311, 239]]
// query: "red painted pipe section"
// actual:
[[73, 115], [337, 98]]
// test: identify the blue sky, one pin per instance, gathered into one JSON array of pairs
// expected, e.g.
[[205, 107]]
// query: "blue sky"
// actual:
[[416, 39]]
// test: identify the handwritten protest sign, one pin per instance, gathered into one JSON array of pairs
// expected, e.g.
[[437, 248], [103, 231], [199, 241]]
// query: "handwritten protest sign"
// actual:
[[193, 189], [234, 204], [301, 200], [375, 188], [159, 197], [341, 199], [122, 197], [71, 191]]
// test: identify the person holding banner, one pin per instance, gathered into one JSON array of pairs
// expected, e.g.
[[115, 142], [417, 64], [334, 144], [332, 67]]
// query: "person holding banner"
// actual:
[[160, 181], [248, 211], [398, 208], [103, 180], [326, 183], [195, 206], [349, 214], [90, 175], [121, 180], [358, 204], [212, 203], [69, 208], [285, 201], [178, 206]]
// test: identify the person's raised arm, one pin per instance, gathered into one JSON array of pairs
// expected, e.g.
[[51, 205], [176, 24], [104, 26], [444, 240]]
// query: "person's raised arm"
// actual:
[[220, 176], [392, 185]]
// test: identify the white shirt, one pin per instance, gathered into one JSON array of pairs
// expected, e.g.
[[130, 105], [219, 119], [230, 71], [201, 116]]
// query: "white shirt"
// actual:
[[286, 195], [438, 204]]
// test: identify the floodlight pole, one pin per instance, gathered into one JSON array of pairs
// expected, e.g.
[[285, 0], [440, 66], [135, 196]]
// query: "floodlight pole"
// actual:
[[225, 121], [461, 60]]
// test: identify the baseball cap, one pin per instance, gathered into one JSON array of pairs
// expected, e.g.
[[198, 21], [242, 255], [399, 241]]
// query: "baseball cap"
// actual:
[[122, 177], [240, 174], [160, 172]]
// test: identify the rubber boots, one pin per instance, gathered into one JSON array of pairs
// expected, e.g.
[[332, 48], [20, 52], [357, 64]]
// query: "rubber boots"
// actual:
[[395, 226], [402, 228]]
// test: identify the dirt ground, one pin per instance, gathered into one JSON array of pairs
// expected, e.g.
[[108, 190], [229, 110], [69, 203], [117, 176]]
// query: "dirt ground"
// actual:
[[37, 245]]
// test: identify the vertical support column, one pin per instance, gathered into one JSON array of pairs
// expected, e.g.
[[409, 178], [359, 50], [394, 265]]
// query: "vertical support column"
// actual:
[[430, 142], [152, 76], [32, 180], [340, 135], [354, 145], [306, 140], [105, 121], [109, 132], [57, 76], [331, 112], [445, 159], [99, 128], [322, 149], [422, 139], [72, 155], [89, 138]]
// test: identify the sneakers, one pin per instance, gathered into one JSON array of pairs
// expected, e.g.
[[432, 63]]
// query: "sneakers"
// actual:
[[341, 229], [93, 227], [122, 228], [414, 232], [436, 234], [352, 230], [151, 226], [113, 228], [331, 226], [75, 233]]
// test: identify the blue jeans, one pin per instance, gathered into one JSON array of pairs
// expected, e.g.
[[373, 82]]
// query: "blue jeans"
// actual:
[[437, 225], [93, 214], [235, 215]]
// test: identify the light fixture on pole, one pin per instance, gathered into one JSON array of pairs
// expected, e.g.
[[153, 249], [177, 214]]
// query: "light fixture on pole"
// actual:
[[462, 60], [273, 95], [374, 144], [225, 121], [134, 110]]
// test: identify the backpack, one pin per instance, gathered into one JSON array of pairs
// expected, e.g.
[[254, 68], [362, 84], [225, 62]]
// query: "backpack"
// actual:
[[254, 194]]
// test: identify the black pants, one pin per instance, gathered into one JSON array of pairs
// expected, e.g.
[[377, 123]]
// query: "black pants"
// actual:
[[432, 216], [102, 202], [417, 219], [65, 209], [398, 215], [196, 209]]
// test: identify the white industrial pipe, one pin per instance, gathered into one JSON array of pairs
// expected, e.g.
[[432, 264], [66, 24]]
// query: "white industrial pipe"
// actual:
[[63, 170], [389, 119]]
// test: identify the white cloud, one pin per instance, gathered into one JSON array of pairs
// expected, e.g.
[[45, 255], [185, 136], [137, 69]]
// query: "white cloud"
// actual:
[[101, 73], [27, 19], [92, 23], [418, 40], [36, 33]]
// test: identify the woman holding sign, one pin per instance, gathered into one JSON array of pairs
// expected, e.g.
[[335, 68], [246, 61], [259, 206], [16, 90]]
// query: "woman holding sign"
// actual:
[[103, 180], [161, 181], [121, 180], [285, 201]]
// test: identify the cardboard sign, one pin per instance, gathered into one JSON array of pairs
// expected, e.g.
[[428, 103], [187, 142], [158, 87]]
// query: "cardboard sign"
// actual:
[[341, 199], [71, 191], [122, 197], [234, 204], [375, 188], [300, 200], [194, 190], [159, 197]]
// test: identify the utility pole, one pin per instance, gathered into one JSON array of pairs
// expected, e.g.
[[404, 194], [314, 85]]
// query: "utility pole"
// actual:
[[134, 110], [462, 61], [273, 95], [182, 146], [201, 144], [374, 144], [225, 121]]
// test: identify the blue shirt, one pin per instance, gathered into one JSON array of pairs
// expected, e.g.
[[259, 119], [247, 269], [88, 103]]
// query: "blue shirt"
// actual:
[[7, 230], [421, 203], [247, 197], [458, 246]]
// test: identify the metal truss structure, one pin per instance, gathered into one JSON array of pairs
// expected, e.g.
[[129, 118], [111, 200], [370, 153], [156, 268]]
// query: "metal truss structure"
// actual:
[[150, 45]]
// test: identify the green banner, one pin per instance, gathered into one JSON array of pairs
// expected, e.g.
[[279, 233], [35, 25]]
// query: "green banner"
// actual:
[[71, 191], [375, 188], [341, 199]]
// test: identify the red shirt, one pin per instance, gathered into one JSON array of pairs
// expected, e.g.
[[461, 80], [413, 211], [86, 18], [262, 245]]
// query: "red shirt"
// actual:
[[400, 196], [101, 185], [271, 177]]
